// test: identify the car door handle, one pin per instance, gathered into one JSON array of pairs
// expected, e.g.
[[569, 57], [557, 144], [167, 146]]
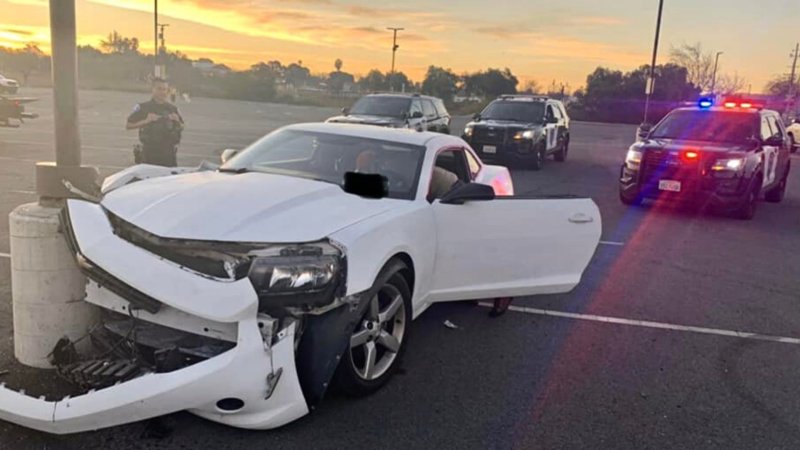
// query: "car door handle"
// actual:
[[580, 218]]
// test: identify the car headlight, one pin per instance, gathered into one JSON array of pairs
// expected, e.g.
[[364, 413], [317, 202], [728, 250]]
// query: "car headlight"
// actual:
[[732, 164], [468, 131], [302, 275], [633, 158], [527, 134]]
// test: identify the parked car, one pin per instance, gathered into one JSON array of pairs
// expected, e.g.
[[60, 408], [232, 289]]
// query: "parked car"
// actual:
[[418, 112], [793, 130], [8, 86], [301, 261], [725, 157], [13, 109], [520, 130]]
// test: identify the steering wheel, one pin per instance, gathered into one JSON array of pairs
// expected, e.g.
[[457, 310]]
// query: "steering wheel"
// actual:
[[396, 180]]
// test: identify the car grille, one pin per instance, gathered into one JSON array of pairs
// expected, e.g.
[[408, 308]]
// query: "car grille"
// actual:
[[484, 135], [103, 278]]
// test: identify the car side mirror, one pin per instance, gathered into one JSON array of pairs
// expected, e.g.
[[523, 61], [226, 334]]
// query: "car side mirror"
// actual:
[[369, 185], [227, 154], [774, 141], [417, 115], [469, 192], [643, 131], [345, 111], [476, 116]]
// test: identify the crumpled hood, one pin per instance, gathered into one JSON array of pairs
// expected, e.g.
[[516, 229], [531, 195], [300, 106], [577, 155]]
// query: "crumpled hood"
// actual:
[[250, 207], [367, 120]]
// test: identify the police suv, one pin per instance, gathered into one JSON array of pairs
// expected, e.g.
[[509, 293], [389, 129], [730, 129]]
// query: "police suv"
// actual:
[[520, 129], [724, 157]]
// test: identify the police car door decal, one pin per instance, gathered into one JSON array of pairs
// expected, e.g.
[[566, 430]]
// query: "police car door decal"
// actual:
[[770, 164], [552, 136]]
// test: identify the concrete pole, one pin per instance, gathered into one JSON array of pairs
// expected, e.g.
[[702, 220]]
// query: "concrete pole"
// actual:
[[47, 288]]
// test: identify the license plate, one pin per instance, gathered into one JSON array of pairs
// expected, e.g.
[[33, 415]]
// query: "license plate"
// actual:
[[489, 149], [669, 185]]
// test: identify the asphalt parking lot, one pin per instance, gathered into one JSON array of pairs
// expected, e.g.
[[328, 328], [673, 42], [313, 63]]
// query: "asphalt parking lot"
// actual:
[[647, 352]]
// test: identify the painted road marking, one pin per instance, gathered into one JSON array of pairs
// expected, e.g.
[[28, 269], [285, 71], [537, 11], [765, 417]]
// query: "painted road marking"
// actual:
[[5, 255], [649, 324], [617, 244]]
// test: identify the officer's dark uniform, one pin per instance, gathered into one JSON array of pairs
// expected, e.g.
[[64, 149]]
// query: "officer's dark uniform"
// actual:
[[160, 138]]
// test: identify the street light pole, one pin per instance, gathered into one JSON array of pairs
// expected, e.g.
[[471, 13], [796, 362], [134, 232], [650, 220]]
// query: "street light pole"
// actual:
[[155, 38], [714, 75], [651, 79], [394, 50]]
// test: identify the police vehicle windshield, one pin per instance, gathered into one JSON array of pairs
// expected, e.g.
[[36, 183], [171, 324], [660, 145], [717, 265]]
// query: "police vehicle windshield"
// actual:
[[327, 157], [514, 111], [381, 106], [711, 126]]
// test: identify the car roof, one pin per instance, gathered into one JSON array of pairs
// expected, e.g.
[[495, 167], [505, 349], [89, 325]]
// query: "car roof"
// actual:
[[400, 94], [721, 109], [398, 135]]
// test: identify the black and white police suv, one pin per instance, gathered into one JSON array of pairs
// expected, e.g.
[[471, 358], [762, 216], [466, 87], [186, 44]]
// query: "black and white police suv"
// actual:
[[724, 157], [521, 130]]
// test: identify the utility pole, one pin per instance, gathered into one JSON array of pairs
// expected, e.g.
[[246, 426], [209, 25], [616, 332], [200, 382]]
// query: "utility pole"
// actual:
[[714, 75], [155, 38], [163, 50], [792, 84], [394, 50], [651, 79]]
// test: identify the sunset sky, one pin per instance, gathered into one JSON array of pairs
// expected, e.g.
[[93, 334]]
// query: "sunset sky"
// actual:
[[539, 39]]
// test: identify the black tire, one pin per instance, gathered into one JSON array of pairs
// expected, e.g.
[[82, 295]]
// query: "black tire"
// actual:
[[776, 194], [348, 377], [636, 200], [538, 157], [747, 208], [561, 155]]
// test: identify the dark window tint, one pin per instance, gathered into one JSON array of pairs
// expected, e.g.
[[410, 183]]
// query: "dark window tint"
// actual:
[[711, 126], [428, 109], [381, 106], [514, 110]]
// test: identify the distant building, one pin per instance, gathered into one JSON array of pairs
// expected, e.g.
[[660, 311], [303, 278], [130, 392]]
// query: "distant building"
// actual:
[[209, 68]]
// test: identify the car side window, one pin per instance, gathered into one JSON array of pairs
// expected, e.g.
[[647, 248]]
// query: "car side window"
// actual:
[[549, 114], [439, 104], [766, 130], [474, 166], [415, 108], [556, 112], [428, 109], [777, 130], [449, 168]]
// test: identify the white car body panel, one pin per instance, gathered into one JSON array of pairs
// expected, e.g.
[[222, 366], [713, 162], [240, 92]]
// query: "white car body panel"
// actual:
[[481, 249]]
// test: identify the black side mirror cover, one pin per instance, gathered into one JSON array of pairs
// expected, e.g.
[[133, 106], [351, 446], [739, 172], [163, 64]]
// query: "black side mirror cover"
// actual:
[[463, 193]]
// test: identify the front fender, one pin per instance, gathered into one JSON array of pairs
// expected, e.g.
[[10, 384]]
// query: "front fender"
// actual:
[[145, 171]]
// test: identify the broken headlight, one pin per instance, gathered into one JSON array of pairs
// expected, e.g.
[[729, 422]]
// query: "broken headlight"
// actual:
[[297, 275]]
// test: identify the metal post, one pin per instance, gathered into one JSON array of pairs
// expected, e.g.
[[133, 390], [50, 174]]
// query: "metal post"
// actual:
[[65, 87], [651, 81], [155, 38], [714, 75], [792, 84], [394, 50]]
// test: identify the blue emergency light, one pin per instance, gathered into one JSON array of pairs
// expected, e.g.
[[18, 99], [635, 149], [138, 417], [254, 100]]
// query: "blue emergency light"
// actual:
[[705, 103]]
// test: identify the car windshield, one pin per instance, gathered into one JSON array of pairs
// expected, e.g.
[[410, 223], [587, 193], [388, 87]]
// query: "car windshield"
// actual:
[[381, 106], [327, 157], [712, 126], [516, 111]]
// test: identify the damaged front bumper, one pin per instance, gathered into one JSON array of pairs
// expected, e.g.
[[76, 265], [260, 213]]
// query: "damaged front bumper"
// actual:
[[255, 384]]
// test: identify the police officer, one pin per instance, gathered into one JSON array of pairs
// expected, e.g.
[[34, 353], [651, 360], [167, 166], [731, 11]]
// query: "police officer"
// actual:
[[160, 126]]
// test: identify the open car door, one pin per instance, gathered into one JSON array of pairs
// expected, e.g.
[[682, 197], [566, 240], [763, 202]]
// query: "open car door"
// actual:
[[512, 246]]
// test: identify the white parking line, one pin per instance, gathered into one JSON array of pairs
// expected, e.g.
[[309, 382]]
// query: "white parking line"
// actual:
[[648, 324], [618, 244], [5, 255]]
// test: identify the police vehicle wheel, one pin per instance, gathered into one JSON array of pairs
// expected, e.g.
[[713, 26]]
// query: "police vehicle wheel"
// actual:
[[537, 159], [776, 194], [747, 210], [630, 201], [561, 155]]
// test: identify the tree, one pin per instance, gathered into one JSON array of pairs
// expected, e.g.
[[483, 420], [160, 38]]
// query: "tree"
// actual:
[[440, 83], [780, 87], [399, 82], [491, 83], [116, 43], [532, 87], [338, 64], [700, 66], [338, 81], [730, 84], [374, 81]]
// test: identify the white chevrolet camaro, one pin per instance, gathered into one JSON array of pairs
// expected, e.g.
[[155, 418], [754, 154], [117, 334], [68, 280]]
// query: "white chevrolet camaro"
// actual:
[[241, 293]]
